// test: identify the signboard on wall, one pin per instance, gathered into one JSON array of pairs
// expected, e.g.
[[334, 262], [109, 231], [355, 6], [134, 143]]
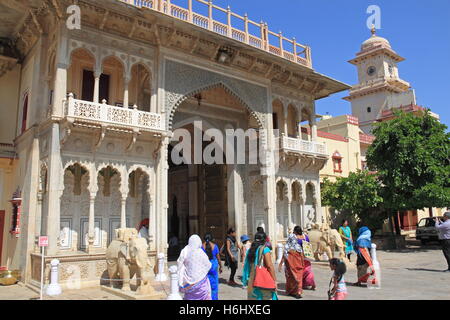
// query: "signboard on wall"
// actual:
[[43, 241]]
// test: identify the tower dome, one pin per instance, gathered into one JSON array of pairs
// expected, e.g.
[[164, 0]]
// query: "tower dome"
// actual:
[[374, 40]]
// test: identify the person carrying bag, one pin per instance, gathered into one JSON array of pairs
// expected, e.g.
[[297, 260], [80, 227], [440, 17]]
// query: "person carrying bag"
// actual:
[[259, 272]]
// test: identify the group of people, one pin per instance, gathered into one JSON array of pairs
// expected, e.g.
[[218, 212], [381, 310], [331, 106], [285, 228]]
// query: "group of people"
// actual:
[[200, 264]]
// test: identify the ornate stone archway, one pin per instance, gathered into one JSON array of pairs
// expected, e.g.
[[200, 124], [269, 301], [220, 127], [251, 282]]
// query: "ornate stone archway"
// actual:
[[183, 81]]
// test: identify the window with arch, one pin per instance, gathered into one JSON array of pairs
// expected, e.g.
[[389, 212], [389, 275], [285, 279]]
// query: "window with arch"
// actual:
[[369, 109], [337, 162]]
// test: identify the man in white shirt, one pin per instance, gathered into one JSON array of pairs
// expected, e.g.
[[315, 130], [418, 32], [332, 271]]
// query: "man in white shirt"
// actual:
[[443, 227], [143, 229]]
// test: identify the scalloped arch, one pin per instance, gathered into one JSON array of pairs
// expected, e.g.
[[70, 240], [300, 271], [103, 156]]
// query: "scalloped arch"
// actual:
[[209, 87]]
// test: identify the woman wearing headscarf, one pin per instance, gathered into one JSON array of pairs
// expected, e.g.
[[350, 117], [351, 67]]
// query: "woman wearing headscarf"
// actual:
[[258, 251], [346, 235], [193, 268], [294, 261], [362, 247], [212, 251]]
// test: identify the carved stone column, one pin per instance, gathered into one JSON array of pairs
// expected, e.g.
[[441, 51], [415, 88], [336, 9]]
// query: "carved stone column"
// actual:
[[37, 232], [97, 75], [91, 223], [318, 204], [126, 81], [124, 195], [123, 213], [161, 197], [55, 185], [285, 117], [152, 224], [313, 123]]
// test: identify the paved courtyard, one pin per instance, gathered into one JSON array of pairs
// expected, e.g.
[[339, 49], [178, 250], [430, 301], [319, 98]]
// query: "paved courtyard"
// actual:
[[411, 274]]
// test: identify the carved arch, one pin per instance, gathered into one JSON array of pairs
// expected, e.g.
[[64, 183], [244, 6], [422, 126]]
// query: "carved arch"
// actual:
[[213, 86]]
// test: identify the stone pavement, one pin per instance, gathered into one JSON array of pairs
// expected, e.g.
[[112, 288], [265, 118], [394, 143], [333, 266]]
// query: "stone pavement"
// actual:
[[411, 274]]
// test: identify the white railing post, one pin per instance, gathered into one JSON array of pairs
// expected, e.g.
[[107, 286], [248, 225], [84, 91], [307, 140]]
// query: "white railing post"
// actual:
[[54, 289], [210, 15], [246, 28], [229, 32], [279, 253], [135, 116], [70, 111], [169, 8], [174, 288], [104, 111], [190, 10], [374, 282], [263, 40], [294, 43], [161, 276], [280, 35]]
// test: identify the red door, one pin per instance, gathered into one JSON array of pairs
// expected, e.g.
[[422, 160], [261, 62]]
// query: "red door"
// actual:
[[2, 226]]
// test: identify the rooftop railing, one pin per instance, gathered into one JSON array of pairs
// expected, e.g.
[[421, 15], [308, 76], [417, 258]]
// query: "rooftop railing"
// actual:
[[235, 26]]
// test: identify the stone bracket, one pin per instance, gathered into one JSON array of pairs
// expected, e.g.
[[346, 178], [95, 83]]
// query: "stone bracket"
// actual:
[[100, 139], [132, 140], [66, 129]]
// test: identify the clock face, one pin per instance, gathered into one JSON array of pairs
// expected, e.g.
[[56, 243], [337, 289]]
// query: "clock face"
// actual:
[[371, 70]]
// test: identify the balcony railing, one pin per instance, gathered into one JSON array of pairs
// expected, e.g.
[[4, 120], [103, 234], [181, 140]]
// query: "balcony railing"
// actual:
[[107, 115], [296, 145], [283, 47]]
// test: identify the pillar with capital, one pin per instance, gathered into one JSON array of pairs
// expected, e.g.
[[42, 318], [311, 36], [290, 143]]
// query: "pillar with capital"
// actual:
[[313, 123], [268, 175], [126, 82], [124, 195], [97, 75], [161, 201]]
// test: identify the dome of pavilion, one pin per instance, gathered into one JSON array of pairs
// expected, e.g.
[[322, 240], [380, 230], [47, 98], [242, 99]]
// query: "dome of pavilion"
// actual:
[[374, 40]]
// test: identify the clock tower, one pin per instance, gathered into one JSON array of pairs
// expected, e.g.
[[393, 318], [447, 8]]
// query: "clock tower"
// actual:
[[379, 85]]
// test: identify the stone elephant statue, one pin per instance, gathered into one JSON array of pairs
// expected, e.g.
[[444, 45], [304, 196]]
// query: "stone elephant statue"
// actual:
[[325, 240], [336, 242], [320, 242], [127, 257]]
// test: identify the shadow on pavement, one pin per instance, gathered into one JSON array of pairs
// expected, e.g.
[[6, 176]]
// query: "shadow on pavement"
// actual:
[[413, 249], [424, 269]]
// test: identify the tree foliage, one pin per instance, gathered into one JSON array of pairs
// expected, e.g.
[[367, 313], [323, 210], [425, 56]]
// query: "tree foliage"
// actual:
[[411, 157], [359, 194]]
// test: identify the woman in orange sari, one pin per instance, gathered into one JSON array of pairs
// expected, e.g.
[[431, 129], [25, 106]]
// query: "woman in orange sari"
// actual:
[[294, 262], [364, 260]]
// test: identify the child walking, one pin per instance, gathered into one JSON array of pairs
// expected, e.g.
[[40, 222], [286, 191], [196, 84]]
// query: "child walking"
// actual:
[[339, 290]]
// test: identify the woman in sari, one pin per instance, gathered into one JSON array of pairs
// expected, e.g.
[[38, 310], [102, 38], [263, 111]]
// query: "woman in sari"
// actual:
[[212, 251], [193, 268], [364, 260], [294, 261], [346, 235], [258, 250]]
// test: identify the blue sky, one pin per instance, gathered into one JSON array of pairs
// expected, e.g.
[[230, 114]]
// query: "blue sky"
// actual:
[[418, 30]]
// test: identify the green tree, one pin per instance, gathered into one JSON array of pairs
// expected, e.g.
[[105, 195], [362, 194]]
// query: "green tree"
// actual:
[[359, 194], [411, 157]]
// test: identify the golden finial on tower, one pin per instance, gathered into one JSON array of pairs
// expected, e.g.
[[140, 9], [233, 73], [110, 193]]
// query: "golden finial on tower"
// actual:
[[373, 30]]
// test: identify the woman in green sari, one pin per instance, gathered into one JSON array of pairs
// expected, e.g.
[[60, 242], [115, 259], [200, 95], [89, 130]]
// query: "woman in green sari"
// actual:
[[346, 234], [251, 261]]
